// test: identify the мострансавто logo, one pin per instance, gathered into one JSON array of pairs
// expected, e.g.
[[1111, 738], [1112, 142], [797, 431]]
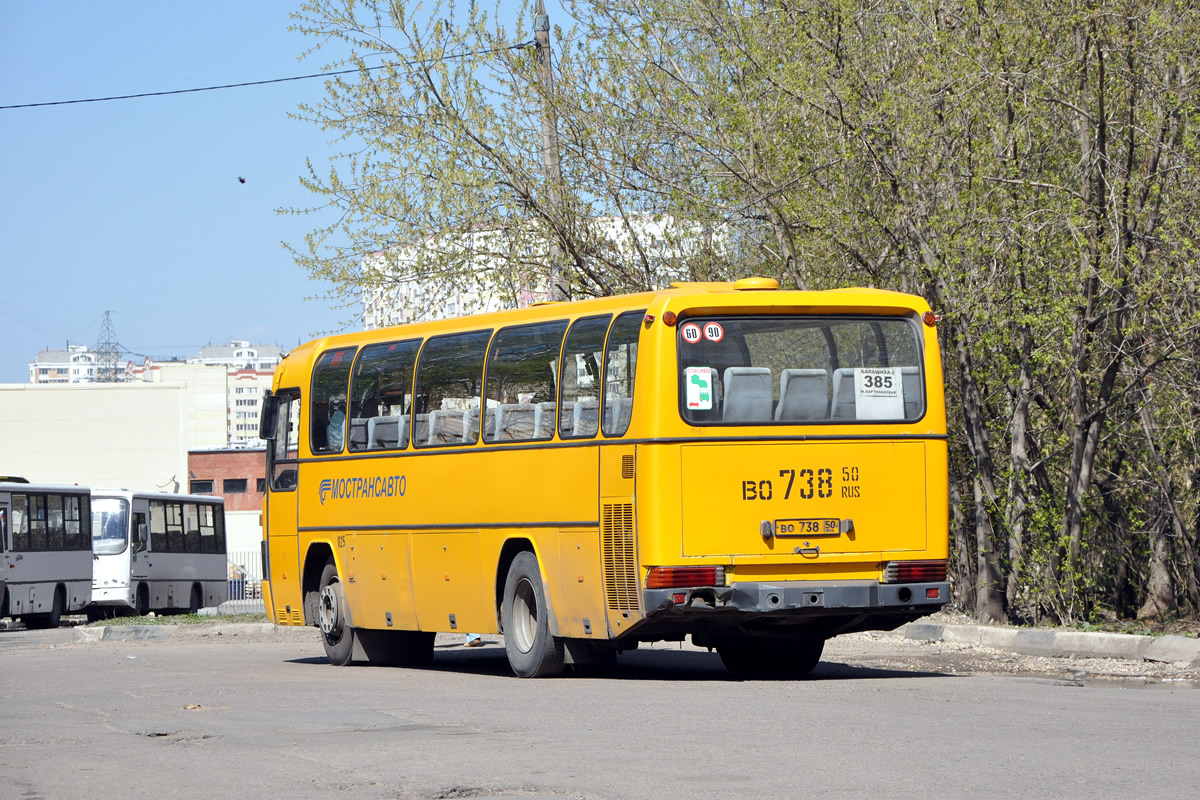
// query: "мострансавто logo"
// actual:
[[362, 488]]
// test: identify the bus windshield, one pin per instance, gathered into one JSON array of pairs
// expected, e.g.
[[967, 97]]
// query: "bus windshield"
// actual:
[[799, 370], [110, 525]]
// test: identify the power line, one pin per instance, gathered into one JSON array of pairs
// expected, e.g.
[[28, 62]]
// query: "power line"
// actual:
[[520, 46]]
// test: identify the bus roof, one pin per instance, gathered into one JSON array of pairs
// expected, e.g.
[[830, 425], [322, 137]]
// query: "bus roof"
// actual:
[[131, 493], [753, 294]]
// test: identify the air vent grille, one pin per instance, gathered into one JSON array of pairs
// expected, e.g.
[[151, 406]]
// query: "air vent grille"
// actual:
[[620, 557]]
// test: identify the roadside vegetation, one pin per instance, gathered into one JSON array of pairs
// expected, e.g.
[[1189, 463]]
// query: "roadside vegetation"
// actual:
[[1029, 168]]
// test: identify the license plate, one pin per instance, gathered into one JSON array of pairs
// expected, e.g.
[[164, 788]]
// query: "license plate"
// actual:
[[808, 527]]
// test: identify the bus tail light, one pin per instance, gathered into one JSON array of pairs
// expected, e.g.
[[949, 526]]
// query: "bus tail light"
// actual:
[[683, 577], [914, 571]]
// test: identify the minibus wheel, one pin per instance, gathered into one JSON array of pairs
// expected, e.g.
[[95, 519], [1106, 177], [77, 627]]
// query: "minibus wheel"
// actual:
[[336, 635], [52, 619], [532, 651], [196, 602]]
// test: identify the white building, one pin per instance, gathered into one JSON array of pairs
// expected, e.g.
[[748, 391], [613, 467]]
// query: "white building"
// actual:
[[224, 385], [75, 364], [395, 298]]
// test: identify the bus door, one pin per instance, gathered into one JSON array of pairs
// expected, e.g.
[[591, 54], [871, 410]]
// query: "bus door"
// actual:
[[139, 537], [280, 510], [3, 551]]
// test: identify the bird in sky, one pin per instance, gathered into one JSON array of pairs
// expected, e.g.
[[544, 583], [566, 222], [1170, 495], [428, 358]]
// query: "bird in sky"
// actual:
[[241, 179]]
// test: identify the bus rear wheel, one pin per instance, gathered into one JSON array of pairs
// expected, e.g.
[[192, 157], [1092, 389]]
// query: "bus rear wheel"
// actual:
[[336, 635], [52, 619], [753, 658], [532, 651], [196, 602]]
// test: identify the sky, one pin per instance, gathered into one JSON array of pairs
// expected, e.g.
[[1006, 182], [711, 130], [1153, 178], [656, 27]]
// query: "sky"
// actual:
[[135, 206]]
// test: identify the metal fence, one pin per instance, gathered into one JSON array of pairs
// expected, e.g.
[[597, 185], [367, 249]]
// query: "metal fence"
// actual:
[[245, 584]]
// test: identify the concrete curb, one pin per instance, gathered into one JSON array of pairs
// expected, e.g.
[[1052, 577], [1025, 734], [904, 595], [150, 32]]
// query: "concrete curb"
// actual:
[[137, 633], [1179, 650]]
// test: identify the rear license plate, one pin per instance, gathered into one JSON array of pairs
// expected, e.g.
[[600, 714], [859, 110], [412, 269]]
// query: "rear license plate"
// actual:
[[808, 527]]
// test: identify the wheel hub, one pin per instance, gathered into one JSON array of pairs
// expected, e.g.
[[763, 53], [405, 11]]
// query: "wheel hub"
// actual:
[[331, 610]]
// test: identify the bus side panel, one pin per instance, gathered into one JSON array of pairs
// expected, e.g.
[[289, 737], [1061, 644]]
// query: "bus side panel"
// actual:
[[937, 499], [579, 607], [448, 583], [286, 599], [619, 538], [380, 563]]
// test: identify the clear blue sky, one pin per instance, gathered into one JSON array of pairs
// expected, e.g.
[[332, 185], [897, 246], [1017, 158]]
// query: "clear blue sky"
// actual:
[[134, 206]]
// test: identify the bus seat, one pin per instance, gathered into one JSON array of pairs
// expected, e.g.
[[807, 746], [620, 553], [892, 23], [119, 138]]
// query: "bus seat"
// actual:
[[910, 378], [803, 394], [515, 421], [617, 413], [420, 429], [446, 427], [566, 418], [843, 394], [747, 394], [470, 425], [585, 417], [358, 434], [543, 420], [387, 433]]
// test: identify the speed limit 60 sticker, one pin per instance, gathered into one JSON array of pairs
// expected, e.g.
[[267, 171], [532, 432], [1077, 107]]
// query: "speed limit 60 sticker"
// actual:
[[692, 333]]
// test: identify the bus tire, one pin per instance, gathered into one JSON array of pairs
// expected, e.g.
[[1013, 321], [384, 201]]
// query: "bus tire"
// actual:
[[197, 600], [141, 603], [753, 658], [532, 651], [52, 619], [336, 635]]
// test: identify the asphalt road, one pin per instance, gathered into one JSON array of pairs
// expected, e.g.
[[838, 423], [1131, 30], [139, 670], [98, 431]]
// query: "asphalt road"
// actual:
[[264, 716]]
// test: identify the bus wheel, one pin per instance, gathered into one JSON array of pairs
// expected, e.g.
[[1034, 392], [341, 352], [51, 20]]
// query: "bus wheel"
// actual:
[[753, 658], [141, 604], [196, 602], [49, 620], [532, 651], [336, 635]]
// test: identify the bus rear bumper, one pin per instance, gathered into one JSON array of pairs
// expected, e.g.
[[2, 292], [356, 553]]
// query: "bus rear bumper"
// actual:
[[831, 607]]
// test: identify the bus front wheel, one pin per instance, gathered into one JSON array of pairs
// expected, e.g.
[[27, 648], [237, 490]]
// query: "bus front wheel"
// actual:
[[141, 604], [336, 635], [532, 651]]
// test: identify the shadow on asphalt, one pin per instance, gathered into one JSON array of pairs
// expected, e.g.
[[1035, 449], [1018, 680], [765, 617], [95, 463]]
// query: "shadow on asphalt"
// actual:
[[634, 665]]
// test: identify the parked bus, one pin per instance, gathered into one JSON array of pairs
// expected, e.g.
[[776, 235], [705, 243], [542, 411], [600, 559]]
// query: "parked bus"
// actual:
[[754, 468], [45, 550], [156, 552]]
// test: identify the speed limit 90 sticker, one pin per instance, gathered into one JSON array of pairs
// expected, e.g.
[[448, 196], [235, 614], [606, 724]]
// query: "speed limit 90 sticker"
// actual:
[[692, 333]]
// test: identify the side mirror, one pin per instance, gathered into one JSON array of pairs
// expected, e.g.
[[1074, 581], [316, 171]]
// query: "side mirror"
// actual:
[[270, 412]]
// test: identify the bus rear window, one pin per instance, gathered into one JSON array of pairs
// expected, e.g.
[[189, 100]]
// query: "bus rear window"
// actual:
[[800, 370]]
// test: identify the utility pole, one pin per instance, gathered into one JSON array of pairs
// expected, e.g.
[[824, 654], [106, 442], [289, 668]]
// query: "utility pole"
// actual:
[[550, 166]]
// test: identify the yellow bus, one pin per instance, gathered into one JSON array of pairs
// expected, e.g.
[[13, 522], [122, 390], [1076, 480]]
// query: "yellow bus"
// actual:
[[758, 469]]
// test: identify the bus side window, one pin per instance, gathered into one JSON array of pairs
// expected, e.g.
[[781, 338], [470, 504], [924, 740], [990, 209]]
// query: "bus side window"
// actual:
[[449, 380], [620, 367], [284, 451], [579, 400], [139, 531], [158, 526], [381, 396], [520, 382], [327, 402]]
